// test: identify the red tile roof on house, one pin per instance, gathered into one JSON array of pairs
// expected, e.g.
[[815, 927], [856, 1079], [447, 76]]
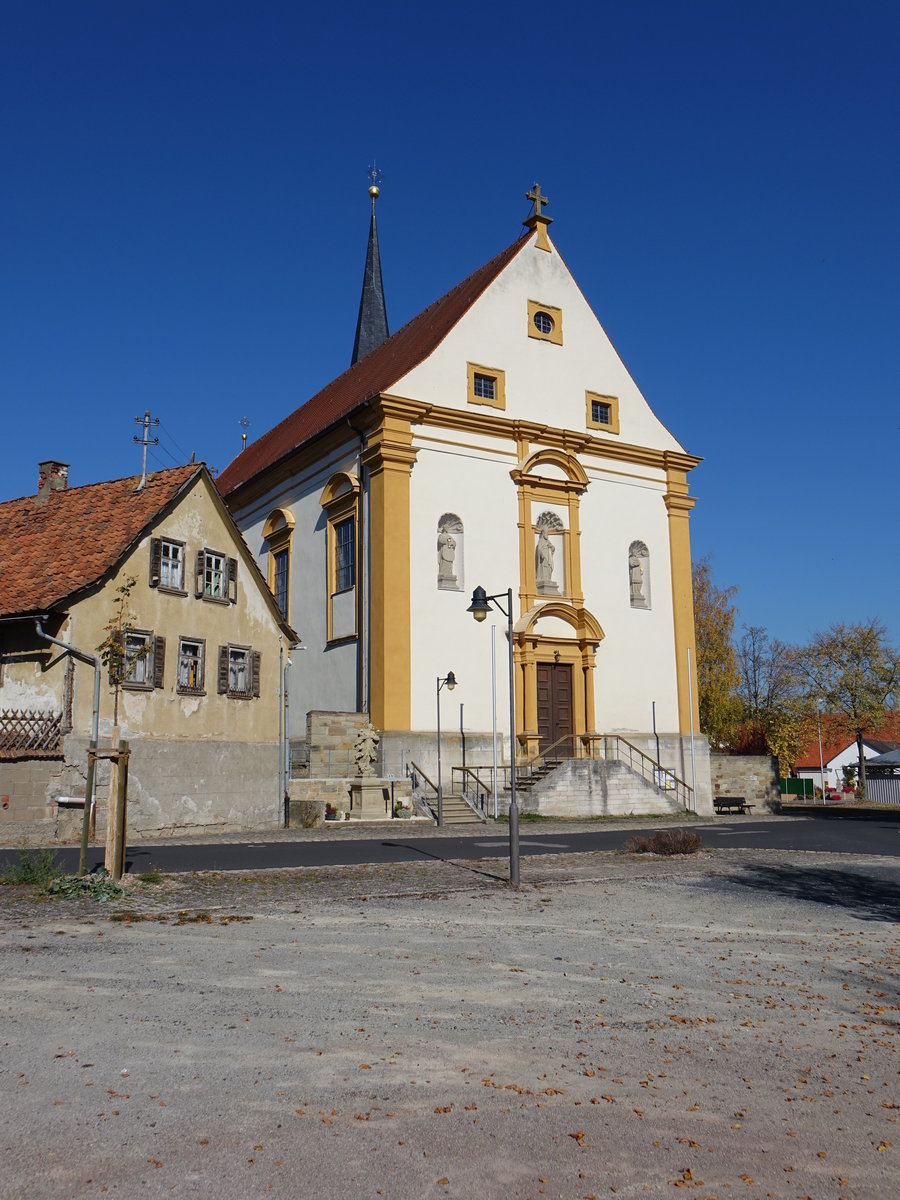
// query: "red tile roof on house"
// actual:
[[375, 373], [835, 739], [50, 550]]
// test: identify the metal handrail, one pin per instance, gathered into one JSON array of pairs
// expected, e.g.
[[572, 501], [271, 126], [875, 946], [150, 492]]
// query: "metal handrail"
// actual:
[[662, 778]]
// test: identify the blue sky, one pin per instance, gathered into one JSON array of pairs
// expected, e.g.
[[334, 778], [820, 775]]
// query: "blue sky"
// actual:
[[183, 219]]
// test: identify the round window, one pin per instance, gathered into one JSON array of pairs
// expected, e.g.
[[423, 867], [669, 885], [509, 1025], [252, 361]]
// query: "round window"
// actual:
[[543, 322]]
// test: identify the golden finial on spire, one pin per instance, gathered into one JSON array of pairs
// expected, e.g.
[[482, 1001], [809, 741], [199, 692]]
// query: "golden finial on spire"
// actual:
[[375, 177]]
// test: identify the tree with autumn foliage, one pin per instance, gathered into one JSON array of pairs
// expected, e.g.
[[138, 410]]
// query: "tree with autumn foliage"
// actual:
[[717, 669], [775, 709], [855, 671]]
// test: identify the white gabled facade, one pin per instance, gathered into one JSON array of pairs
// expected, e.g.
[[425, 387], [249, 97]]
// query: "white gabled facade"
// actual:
[[499, 441]]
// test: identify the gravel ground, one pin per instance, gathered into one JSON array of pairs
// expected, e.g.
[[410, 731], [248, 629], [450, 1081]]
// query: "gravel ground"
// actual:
[[725, 1024]]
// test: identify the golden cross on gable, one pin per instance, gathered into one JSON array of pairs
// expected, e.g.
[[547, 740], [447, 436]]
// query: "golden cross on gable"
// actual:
[[535, 195]]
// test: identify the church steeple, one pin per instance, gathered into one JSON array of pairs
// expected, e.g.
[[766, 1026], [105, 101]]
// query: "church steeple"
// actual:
[[372, 324]]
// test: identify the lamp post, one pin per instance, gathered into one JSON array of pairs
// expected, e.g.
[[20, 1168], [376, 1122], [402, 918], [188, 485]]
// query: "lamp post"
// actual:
[[450, 680], [479, 608]]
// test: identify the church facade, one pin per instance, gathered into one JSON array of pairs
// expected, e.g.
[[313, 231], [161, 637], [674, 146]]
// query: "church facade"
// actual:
[[496, 440]]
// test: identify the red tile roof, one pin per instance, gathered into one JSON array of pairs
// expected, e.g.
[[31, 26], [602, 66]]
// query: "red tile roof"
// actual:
[[375, 373], [835, 738], [49, 551]]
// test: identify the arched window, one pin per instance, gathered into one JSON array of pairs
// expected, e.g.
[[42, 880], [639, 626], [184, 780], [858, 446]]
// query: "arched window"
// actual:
[[639, 575], [340, 500], [277, 532]]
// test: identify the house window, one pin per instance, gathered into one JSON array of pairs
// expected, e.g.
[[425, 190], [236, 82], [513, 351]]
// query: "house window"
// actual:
[[340, 500], [191, 664], [545, 322], [142, 661], [239, 672], [345, 554], [602, 412], [486, 386], [137, 652], [167, 564], [216, 576]]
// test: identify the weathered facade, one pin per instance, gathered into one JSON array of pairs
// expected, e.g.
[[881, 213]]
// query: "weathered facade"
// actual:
[[200, 655]]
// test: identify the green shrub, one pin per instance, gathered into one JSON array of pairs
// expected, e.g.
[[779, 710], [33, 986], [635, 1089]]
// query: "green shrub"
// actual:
[[37, 867]]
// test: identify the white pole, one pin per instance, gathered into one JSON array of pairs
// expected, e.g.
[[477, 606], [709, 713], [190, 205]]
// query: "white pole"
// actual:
[[691, 703], [494, 707]]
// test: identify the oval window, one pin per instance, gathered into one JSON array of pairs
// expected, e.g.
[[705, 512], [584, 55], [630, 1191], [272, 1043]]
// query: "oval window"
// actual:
[[543, 322]]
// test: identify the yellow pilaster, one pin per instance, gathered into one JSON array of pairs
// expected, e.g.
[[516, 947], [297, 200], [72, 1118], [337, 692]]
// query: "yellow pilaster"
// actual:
[[389, 458], [679, 505]]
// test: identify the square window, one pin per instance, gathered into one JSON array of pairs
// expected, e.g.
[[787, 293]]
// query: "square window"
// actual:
[[171, 565], [191, 664], [486, 386], [602, 412], [239, 672], [216, 576], [137, 667]]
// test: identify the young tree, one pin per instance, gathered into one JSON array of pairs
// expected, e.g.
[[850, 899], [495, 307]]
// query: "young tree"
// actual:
[[717, 671], [856, 672], [119, 657]]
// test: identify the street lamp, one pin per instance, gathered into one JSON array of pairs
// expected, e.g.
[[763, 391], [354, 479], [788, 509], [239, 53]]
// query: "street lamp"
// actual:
[[450, 680], [479, 608]]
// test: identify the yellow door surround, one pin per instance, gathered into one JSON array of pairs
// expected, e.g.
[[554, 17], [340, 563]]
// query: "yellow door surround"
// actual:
[[532, 647]]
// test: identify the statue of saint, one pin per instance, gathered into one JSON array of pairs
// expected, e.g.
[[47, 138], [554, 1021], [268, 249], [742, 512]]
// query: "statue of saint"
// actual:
[[636, 573], [365, 750], [544, 554], [446, 555]]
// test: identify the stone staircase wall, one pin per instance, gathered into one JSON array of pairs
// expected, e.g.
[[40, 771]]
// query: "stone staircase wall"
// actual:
[[591, 788]]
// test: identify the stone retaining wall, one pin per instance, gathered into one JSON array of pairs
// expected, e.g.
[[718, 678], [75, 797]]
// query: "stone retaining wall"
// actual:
[[755, 777]]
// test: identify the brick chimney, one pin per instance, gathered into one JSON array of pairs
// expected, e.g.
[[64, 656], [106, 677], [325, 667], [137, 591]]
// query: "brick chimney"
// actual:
[[52, 477]]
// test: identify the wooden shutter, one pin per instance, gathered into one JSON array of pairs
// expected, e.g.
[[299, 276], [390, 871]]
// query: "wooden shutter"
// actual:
[[155, 560], [255, 657], [223, 670], [232, 580], [201, 566], [159, 660]]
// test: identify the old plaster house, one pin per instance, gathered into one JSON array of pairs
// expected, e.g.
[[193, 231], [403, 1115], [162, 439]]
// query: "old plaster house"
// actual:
[[199, 697], [496, 440]]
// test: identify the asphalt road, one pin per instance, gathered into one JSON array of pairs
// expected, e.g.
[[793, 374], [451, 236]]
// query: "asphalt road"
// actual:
[[802, 834]]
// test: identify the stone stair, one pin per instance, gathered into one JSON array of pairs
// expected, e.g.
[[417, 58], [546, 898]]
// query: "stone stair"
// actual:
[[456, 810]]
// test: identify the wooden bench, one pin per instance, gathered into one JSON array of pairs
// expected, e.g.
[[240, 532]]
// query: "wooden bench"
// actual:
[[731, 804]]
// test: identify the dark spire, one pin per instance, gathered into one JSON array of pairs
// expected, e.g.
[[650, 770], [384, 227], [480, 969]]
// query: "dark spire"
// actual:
[[372, 324]]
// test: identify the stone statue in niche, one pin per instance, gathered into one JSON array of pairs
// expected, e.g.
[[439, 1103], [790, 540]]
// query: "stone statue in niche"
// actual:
[[638, 578], [545, 552], [449, 529], [365, 750]]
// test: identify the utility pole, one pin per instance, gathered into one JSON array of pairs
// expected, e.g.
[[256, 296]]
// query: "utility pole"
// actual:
[[145, 441]]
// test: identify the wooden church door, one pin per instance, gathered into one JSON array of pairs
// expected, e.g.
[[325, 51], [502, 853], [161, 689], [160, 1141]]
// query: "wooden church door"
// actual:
[[554, 707]]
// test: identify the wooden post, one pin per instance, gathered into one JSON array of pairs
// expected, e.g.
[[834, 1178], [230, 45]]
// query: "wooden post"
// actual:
[[115, 821], [88, 805]]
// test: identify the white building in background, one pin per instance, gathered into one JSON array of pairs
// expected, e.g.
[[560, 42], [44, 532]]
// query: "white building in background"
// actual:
[[496, 440]]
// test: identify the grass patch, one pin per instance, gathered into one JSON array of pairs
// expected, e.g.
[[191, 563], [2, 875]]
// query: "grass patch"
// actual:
[[666, 842], [151, 875], [36, 867]]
